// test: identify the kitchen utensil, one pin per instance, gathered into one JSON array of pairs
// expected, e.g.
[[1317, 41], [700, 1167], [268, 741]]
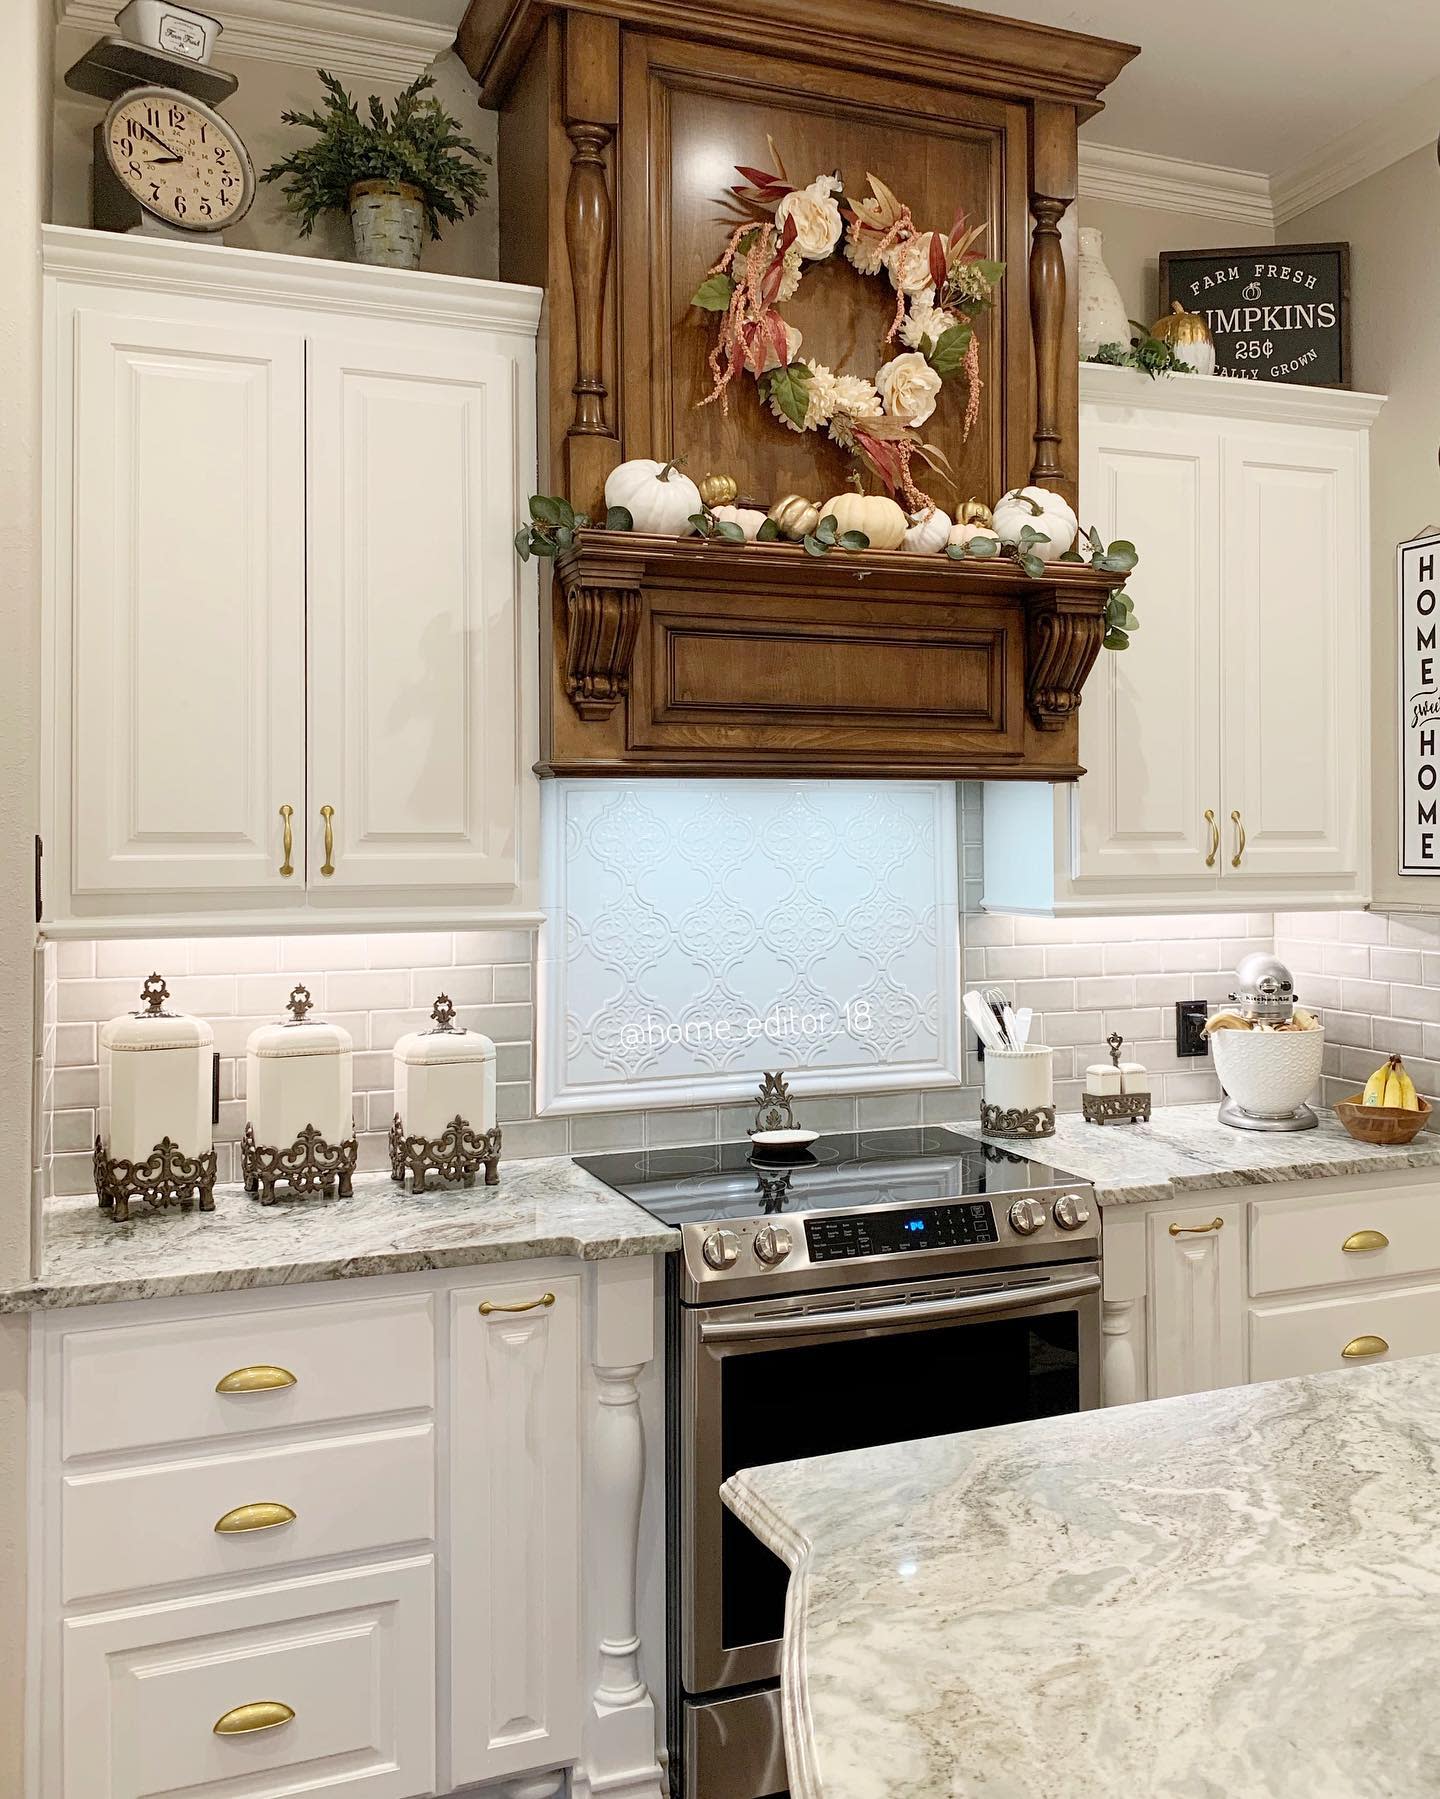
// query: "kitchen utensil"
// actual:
[[1024, 1018], [1388, 1125], [983, 1019], [1267, 1075]]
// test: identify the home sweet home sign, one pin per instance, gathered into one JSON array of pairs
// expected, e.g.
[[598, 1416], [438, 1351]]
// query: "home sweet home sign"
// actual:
[[1279, 312], [1418, 580]]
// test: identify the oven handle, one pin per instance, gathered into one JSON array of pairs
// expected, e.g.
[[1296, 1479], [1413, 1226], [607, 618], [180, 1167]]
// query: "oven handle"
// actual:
[[957, 1306]]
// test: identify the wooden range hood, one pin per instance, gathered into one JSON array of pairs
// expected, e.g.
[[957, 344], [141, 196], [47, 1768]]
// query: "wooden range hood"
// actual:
[[620, 123]]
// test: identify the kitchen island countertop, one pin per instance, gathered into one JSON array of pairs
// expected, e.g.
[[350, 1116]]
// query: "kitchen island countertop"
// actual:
[[1185, 1149], [1234, 1593], [545, 1207]]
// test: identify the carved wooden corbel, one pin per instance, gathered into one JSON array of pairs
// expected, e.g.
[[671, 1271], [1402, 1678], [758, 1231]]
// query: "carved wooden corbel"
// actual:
[[602, 623], [1063, 638]]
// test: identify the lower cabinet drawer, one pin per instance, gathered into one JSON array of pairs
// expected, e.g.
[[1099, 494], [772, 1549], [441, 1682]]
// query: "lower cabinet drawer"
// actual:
[[312, 1686], [1335, 1240], [145, 1527], [1314, 1335]]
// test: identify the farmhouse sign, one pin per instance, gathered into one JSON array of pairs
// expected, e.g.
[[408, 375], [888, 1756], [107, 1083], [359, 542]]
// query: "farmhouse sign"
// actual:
[[1280, 312], [1418, 579]]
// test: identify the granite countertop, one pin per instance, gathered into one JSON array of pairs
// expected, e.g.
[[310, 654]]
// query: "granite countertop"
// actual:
[[1185, 1149], [1229, 1594], [547, 1207]]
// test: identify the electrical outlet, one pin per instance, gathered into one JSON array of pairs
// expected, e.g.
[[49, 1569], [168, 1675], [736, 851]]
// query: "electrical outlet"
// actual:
[[1190, 1016]]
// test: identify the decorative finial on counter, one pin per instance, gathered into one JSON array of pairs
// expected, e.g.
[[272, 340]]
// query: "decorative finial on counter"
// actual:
[[154, 994], [443, 1012], [298, 1003], [775, 1112]]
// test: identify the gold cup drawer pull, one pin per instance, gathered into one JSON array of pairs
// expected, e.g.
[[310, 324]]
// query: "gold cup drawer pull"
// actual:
[[1359, 1347], [487, 1306], [1196, 1230], [260, 1714], [1359, 1241], [264, 1377], [264, 1514]]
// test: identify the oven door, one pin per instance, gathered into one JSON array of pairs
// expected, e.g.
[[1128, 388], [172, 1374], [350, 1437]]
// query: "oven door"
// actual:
[[787, 1378]]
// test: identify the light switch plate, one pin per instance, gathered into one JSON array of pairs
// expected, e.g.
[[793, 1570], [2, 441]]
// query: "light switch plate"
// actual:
[[1190, 1016]]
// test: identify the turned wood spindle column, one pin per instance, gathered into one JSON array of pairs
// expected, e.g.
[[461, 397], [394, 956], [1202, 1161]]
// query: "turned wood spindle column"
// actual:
[[587, 239], [1047, 321]]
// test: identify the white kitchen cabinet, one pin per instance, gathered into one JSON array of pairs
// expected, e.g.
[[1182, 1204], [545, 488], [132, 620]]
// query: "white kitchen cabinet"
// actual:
[[1227, 750], [1197, 1296], [515, 1494], [283, 604]]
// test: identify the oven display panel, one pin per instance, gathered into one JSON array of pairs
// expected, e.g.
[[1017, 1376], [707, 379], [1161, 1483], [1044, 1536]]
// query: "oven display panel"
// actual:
[[884, 1233]]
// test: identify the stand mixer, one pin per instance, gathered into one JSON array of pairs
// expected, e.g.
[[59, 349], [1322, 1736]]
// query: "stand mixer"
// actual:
[[1270, 1072]]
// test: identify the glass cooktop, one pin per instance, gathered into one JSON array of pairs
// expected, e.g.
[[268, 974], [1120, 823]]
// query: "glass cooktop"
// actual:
[[854, 1168]]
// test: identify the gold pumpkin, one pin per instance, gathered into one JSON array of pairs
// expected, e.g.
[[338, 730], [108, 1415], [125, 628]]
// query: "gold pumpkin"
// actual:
[[1188, 336], [975, 512], [795, 517], [718, 490], [880, 519]]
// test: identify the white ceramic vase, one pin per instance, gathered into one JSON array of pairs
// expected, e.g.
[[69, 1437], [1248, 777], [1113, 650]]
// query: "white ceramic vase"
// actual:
[[1103, 318]]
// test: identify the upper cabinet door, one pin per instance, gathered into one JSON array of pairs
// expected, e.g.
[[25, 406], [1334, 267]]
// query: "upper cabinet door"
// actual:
[[185, 616], [1296, 651], [1149, 726], [414, 597]]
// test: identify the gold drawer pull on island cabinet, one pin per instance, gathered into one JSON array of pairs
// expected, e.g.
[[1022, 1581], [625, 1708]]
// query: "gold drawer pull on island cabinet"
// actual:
[[262, 1378], [260, 1714], [264, 1514], [1364, 1346], [487, 1306], [1196, 1230], [1361, 1240]]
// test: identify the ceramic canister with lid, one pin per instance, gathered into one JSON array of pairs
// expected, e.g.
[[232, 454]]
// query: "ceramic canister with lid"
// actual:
[[299, 1074], [443, 1074], [155, 1079]]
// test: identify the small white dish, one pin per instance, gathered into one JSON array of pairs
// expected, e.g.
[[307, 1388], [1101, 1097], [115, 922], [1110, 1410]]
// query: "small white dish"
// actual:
[[783, 1143]]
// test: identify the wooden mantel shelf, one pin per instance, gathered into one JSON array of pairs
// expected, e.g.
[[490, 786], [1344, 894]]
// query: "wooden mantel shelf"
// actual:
[[684, 656]]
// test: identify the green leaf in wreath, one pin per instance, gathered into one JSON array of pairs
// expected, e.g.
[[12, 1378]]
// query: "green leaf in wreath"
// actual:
[[1029, 535], [619, 518], [545, 510], [854, 540], [828, 528], [730, 532], [1121, 557], [702, 522], [1116, 640], [713, 294], [815, 545], [1032, 566], [948, 356], [789, 388], [982, 548], [1097, 542], [522, 543], [543, 546], [1071, 556], [567, 513], [564, 537], [768, 532]]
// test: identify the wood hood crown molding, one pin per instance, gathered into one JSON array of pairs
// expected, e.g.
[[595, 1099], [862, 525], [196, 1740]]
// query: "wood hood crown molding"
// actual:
[[959, 48]]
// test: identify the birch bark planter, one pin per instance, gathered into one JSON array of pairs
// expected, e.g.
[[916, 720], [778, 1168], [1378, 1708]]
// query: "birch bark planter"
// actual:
[[388, 220]]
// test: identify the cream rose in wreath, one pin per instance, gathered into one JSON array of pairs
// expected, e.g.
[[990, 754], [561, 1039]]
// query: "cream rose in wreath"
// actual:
[[940, 281]]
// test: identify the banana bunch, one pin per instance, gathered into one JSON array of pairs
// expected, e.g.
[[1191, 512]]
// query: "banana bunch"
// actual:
[[1390, 1085]]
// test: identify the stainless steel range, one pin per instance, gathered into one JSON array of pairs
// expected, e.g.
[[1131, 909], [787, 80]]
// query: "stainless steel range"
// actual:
[[880, 1287]]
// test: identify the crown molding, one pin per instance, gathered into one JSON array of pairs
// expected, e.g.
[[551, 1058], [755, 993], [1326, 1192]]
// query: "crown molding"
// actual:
[[1169, 184], [1274, 402], [1356, 155], [308, 33]]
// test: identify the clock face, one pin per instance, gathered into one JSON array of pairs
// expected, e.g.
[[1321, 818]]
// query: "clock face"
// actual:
[[181, 161]]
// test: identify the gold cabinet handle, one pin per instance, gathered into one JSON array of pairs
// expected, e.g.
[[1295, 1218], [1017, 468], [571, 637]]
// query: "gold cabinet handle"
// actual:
[[1196, 1230], [264, 1514], [1364, 1346], [1214, 837], [260, 1714], [287, 867], [264, 1377], [1239, 855], [1362, 1240], [327, 867], [487, 1306]]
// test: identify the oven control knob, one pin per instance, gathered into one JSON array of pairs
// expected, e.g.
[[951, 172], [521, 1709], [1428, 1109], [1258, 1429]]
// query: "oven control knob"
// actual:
[[1027, 1216], [772, 1244], [1071, 1212], [721, 1249]]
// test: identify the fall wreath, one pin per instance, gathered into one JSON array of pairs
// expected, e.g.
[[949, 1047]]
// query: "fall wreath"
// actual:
[[940, 280]]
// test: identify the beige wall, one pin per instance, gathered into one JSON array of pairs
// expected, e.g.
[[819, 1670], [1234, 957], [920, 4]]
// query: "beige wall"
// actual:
[[1390, 223], [25, 45], [1135, 236], [266, 90]]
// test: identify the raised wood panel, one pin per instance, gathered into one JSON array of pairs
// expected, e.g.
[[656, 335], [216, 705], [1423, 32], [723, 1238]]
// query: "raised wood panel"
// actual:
[[1149, 728], [1196, 1292], [351, 1654], [515, 1527], [1294, 694], [937, 150], [187, 614], [413, 612]]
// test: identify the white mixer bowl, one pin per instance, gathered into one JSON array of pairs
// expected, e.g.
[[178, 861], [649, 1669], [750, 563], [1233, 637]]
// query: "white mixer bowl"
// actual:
[[1268, 1073]]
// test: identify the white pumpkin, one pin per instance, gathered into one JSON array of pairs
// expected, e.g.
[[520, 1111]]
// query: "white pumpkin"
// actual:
[[966, 534], [1043, 510], [880, 519], [657, 496], [927, 535], [748, 519]]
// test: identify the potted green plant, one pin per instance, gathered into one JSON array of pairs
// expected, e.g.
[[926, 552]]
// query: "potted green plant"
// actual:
[[394, 176]]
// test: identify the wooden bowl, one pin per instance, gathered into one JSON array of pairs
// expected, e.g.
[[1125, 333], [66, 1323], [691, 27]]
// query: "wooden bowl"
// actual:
[[1388, 1125]]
